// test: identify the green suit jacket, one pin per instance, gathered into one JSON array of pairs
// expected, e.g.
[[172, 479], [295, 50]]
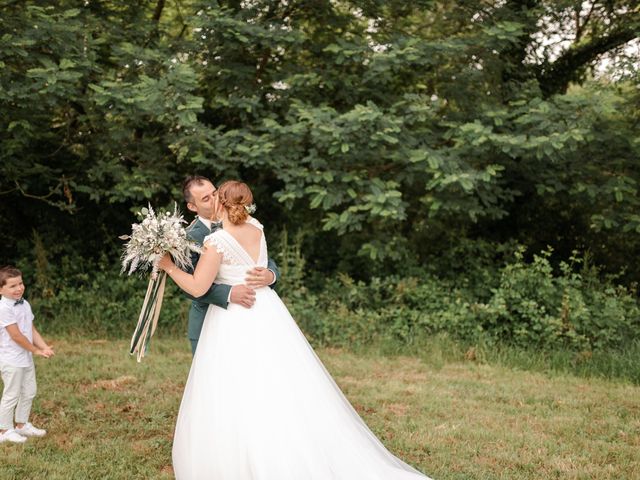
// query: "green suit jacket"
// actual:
[[218, 294]]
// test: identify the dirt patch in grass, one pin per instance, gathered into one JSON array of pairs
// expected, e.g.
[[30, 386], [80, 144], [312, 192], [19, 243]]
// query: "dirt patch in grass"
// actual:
[[118, 384], [397, 409]]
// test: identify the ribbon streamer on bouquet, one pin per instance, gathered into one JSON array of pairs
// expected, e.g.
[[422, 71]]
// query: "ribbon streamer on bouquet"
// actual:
[[149, 314]]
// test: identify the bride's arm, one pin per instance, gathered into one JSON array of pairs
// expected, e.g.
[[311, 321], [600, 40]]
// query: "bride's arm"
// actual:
[[199, 283]]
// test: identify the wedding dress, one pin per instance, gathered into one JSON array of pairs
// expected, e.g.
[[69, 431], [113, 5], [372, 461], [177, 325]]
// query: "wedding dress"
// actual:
[[259, 404]]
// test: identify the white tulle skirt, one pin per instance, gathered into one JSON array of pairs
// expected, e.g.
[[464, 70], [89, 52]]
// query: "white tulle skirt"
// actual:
[[259, 405]]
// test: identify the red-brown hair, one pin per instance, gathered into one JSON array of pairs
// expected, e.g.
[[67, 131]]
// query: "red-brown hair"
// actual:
[[234, 197]]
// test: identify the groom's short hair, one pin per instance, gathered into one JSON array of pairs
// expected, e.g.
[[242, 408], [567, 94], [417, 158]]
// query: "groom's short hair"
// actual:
[[189, 182]]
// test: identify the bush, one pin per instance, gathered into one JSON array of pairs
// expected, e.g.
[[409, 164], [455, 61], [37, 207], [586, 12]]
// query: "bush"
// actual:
[[530, 306], [500, 299], [108, 305], [533, 307]]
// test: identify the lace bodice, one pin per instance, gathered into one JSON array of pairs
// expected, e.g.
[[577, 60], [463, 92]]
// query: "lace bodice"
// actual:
[[235, 259]]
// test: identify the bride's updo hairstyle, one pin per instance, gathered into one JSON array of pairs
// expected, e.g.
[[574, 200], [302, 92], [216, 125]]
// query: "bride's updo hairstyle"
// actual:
[[234, 196]]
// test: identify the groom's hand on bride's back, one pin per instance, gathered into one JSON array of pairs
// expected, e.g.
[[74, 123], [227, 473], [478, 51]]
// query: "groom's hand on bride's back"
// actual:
[[260, 277], [243, 295]]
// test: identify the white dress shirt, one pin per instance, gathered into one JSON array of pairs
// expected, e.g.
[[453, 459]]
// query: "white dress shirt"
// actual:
[[10, 352]]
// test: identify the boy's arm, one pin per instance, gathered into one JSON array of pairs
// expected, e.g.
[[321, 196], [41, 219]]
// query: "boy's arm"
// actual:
[[17, 336], [39, 342]]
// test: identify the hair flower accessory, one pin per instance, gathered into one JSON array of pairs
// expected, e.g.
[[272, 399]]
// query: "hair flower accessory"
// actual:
[[251, 208]]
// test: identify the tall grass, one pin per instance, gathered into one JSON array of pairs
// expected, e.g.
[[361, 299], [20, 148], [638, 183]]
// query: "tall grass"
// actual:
[[439, 349]]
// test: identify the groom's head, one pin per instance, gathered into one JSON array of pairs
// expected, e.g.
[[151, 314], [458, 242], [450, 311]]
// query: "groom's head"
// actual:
[[199, 193]]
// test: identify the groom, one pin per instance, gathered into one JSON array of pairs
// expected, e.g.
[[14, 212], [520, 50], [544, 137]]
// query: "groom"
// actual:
[[199, 193]]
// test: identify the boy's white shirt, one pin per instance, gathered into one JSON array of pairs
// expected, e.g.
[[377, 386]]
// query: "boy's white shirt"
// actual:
[[10, 352]]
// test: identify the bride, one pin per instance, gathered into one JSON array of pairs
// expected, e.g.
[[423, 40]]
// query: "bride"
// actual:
[[259, 404]]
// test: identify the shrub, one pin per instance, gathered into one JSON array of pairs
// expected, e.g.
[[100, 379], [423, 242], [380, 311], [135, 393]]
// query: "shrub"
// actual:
[[530, 306], [106, 305]]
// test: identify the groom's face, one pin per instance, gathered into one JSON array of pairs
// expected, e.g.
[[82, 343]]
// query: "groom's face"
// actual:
[[203, 199]]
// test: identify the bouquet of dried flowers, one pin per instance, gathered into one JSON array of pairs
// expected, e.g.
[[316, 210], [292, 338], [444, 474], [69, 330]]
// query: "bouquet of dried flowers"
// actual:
[[149, 241]]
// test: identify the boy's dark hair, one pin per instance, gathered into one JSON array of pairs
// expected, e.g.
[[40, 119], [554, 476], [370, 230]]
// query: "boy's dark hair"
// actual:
[[188, 182], [7, 272]]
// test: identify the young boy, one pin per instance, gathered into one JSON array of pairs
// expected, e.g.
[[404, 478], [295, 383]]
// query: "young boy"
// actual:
[[19, 339]]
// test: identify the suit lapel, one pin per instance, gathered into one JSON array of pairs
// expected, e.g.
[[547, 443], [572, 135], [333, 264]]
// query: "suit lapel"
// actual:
[[198, 230], [203, 227]]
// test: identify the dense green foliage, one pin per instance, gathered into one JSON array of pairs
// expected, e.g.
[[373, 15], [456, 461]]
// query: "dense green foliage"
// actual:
[[528, 306], [522, 304], [398, 139]]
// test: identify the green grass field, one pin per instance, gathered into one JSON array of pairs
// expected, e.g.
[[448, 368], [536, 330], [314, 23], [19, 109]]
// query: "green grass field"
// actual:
[[109, 417]]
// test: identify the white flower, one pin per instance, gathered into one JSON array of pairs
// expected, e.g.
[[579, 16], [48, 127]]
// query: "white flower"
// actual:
[[251, 209]]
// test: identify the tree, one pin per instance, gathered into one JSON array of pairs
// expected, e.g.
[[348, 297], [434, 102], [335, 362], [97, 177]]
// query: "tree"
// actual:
[[378, 126]]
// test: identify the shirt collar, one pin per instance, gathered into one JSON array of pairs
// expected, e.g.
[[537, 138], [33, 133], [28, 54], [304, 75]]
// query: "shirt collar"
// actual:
[[8, 301]]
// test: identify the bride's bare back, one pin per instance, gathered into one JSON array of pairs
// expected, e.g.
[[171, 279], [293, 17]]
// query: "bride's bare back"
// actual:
[[248, 237]]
